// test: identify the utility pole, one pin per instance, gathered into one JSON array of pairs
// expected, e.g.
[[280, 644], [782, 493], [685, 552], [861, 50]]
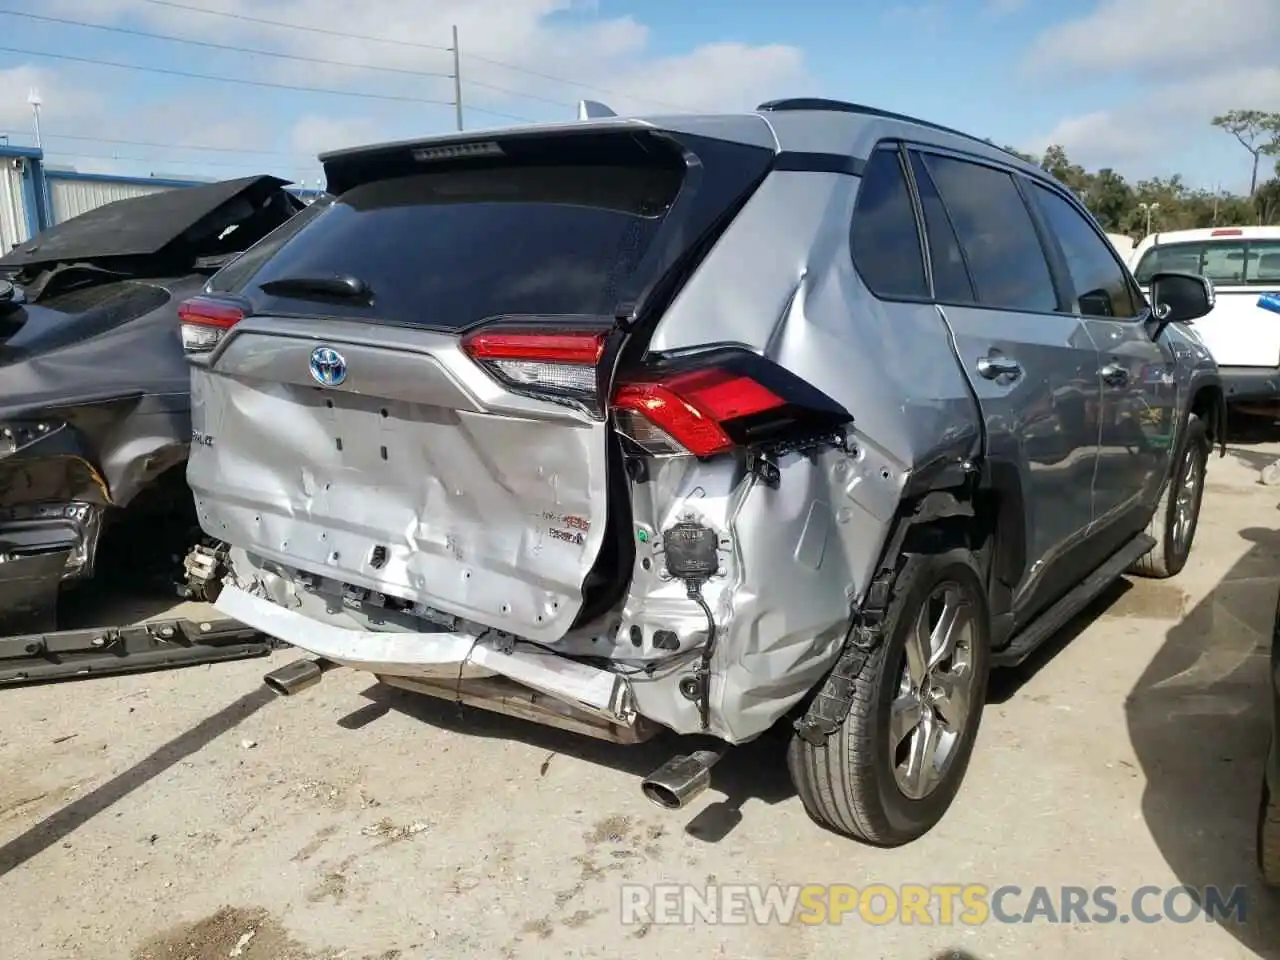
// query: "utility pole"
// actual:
[[34, 100], [457, 78]]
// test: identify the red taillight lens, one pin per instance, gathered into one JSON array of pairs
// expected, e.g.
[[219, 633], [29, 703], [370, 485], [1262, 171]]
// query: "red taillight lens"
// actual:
[[205, 321], [557, 362], [685, 413], [1227, 232]]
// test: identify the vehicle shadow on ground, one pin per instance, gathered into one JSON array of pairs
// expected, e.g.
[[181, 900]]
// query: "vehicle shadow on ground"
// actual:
[[58, 826], [754, 771], [1199, 719]]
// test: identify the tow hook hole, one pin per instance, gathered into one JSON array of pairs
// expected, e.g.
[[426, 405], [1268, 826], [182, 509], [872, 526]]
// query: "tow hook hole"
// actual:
[[329, 404], [506, 608], [466, 574], [383, 451], [384, 413], [333, 557], [339, 442], [666, 640], [884, 474], [378, 557]]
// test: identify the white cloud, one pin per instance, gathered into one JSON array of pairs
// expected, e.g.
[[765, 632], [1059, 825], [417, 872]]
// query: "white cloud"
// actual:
[[1164, 37], [1001, 8], [562, 38], [1182, 62]]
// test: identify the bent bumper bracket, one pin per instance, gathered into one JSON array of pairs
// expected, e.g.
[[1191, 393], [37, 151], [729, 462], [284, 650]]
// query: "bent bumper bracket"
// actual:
[[76, 654]]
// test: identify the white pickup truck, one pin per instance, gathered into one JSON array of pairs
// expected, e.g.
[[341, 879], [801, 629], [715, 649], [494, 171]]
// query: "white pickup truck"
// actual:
[[1242, 331]]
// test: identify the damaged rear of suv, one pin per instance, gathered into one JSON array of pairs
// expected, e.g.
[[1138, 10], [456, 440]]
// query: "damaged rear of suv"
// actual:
[[603, 425]]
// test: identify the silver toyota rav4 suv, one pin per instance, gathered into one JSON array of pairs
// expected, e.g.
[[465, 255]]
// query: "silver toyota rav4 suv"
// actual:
[[801, 419]]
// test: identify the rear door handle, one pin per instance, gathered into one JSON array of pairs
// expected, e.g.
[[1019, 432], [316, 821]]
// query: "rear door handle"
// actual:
[[1113, 374], [995, 367]]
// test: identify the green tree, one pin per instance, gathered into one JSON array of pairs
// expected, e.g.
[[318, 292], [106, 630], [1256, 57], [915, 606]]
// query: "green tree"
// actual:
[[1257, 131]]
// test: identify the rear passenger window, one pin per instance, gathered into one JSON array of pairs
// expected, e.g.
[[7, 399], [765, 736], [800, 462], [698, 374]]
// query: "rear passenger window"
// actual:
[[950, 275], [1102, 288], [995, 230], [883, 238]]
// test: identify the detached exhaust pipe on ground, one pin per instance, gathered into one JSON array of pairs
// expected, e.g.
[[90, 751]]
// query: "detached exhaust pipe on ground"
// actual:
[[297, 676], [681, 778]]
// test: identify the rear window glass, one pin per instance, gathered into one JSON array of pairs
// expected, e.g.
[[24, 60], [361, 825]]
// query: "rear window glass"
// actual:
[[447, 249], [1225, 262]]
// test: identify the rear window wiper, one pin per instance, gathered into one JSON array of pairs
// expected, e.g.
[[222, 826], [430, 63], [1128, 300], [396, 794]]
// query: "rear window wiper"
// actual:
[[340, 286]]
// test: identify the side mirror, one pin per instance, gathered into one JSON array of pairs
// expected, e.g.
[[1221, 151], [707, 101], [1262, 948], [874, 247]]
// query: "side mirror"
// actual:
[[1180, 297]]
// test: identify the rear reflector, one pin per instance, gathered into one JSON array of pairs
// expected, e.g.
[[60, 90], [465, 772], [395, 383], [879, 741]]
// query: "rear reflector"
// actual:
[[553, 362], [1227, 232], [205, 321], [685, 413]]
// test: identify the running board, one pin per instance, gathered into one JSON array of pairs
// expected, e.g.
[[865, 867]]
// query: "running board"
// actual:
[[157, 644], [1060, 614]]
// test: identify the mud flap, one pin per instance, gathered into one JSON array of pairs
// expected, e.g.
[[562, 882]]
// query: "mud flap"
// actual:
[[29, 592]]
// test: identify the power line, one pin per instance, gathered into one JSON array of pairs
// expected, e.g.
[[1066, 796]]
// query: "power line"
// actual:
[[345, 35], [204, 148], [239, 80], [218, 46], [515, 93], [160, 160], [572, 83]]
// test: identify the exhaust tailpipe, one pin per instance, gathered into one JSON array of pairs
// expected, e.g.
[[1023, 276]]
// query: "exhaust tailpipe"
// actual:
[[681, 778], [297, 676]]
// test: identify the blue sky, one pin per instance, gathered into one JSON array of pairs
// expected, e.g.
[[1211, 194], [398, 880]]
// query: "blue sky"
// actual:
[[1126, 83]]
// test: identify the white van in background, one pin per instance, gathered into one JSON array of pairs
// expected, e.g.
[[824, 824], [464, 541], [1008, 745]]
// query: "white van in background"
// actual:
[[1123, 243], [1243, 329]]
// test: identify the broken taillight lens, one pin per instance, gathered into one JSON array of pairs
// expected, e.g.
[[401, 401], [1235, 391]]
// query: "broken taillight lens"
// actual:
[[720, 400], [552, 362], [685, 413], [205, 321]]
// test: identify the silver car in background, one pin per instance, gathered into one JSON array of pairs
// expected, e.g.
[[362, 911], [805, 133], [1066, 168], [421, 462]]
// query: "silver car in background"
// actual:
[[813, 414]]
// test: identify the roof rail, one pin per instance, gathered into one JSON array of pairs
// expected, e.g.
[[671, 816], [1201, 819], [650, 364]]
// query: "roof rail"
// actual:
[[841, 106], [593, 110]]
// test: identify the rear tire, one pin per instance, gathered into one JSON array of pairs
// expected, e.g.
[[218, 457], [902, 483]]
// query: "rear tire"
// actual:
[[1178, 513], [856, 782]]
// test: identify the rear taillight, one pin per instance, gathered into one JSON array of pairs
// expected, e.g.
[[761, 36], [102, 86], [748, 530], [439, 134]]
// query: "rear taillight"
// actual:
[[205, 321], [723, 400], [685, 413], [562, 363]]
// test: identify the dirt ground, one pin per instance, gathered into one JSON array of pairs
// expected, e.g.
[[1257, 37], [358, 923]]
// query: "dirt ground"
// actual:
[[189, 815]]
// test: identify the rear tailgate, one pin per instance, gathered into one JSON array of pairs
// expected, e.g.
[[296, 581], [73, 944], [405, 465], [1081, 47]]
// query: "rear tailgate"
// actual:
[[406, 442]]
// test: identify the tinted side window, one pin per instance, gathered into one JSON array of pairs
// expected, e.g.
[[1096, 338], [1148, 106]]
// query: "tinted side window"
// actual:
[[1225, 262], [999, 240], [950, 275], [883, 238], [1102, 288]]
